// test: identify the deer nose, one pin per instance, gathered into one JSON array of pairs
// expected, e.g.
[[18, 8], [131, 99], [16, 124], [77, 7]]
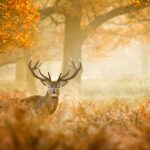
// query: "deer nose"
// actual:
[[53, 92]]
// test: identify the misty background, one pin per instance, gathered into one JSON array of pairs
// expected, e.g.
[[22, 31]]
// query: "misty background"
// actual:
[[120, 74], [114, 55]]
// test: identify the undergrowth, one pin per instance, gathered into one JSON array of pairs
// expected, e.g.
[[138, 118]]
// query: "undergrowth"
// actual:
[[85, 125]]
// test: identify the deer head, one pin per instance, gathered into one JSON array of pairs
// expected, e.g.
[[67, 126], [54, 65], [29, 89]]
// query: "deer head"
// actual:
[[54, 86]]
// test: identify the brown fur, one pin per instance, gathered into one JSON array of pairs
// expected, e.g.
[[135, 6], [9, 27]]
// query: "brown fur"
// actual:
[[39, 103]]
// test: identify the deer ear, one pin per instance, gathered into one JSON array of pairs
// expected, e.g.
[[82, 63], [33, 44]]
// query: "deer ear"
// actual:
[[63, 83]]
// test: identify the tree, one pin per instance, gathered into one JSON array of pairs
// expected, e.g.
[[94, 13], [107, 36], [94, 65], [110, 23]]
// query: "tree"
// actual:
[[82, 18], [18, 20], [18, 23]]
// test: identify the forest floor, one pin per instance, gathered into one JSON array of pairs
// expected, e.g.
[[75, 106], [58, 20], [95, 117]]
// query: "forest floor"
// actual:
[[76, 125]]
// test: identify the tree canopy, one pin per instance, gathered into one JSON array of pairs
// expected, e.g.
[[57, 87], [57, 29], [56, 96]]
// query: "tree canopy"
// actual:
[[18, 21], [107, 18], [123, 19], [19, 18]]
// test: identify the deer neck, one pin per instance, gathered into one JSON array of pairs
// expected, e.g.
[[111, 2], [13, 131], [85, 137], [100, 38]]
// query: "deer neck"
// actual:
[[51, 102]]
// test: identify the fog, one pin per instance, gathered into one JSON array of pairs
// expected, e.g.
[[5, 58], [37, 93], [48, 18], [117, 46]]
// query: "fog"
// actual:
[[120, 74], [125, 61]]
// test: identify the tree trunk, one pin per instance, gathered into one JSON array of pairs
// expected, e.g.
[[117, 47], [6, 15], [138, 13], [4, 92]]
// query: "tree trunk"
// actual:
[[31, 85], [145, 62], [74, 39], [20, 73]]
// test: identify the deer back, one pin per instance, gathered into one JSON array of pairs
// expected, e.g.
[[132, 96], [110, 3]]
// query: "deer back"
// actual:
[[39, 103]]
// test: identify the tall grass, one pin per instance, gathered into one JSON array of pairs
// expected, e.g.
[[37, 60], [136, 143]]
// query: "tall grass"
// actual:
[[85, 125]]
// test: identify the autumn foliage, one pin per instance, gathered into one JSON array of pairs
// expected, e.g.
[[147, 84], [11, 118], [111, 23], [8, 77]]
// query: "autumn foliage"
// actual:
[[85, 125], [18, 21]]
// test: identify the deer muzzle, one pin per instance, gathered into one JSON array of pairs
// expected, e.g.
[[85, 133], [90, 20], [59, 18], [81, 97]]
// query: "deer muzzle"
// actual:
[[54, 95]]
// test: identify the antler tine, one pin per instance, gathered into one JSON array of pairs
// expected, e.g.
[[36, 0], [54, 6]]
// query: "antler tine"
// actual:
[[49, 76], [43, 82], [43, 75], [30, 63], [63, 78], [35, 67], [59, 78], [73, 64], [65, 75], [76, 70]]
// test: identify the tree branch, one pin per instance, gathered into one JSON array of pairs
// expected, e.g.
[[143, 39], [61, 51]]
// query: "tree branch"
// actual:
[[114, 13], [55, 21], [46, 12]]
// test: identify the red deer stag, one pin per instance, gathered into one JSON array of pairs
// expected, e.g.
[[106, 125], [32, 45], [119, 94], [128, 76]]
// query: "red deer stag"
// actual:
[[50, 100]]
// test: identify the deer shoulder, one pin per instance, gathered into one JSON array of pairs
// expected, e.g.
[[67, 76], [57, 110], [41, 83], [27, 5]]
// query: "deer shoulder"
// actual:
[[33, 100]]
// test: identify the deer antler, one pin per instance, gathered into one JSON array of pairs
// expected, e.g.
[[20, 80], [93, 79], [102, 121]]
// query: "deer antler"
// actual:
[[76, 70], [43, 78], [61, 77]]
